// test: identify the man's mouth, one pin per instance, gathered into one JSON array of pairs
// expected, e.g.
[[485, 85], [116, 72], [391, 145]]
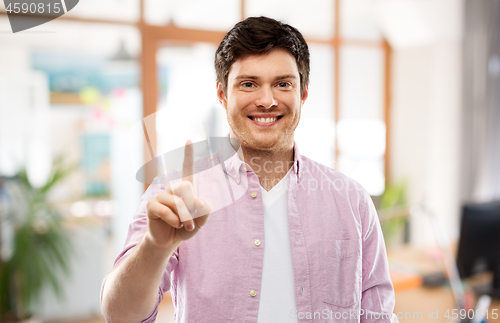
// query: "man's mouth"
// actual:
[[266, 119]]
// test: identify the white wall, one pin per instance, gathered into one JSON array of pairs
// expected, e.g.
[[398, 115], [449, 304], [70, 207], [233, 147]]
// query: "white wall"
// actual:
[[426, 117], [126, 158]]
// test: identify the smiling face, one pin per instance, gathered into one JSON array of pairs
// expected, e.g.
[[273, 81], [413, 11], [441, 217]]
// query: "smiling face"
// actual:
[[263, 100]]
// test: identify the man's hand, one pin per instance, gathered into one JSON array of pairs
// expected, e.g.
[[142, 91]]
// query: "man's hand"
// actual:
[[130, 290], [177, 214]]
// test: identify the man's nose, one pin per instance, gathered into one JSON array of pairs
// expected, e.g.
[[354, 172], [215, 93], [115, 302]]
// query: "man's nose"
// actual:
[[266, 98]]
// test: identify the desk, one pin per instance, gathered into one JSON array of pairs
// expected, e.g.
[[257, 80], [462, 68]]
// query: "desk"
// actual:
[[418, 303], [430, 300]]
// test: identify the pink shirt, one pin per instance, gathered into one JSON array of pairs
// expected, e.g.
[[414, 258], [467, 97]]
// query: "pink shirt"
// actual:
[[339, 258]]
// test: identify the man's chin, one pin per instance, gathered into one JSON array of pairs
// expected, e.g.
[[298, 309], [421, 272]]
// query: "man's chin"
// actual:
[[263, 143]]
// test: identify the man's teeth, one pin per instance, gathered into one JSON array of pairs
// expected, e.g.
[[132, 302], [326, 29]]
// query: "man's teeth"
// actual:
[[266, 120]]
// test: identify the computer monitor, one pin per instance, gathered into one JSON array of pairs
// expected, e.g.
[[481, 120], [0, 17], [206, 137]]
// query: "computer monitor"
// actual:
[[479, 244]]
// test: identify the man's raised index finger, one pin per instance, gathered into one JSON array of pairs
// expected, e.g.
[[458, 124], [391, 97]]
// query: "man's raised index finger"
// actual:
[[188, 164]]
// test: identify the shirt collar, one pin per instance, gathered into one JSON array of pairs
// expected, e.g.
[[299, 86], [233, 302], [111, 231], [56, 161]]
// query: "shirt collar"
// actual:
[[234, 167]]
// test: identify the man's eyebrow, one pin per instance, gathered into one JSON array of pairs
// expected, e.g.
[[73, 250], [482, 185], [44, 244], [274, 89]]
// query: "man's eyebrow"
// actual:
[[251, 77], [243, 76], [287, 76]]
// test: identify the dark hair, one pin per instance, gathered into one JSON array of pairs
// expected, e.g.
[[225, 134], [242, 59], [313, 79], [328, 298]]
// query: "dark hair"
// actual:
[[260, 35]]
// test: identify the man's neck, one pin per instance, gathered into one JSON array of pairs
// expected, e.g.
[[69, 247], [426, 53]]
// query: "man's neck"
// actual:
[[269, 165]]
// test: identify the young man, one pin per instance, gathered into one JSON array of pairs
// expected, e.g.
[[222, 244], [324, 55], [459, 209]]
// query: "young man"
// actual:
[[307, 249]]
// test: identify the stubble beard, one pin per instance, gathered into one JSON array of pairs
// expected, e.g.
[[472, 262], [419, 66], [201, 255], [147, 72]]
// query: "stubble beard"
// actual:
[[252, 143]]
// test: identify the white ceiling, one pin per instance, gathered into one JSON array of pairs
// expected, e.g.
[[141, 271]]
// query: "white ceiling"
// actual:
[[405, 23]]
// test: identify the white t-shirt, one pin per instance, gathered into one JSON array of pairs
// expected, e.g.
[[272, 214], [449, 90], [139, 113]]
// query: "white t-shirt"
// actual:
[[277, 296]]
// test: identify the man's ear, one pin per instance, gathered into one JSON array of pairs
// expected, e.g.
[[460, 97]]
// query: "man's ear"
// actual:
[[305, 94], [221, 96]]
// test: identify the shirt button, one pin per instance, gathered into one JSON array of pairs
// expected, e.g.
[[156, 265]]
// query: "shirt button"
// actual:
[[254, 194], [299, 174], [257, 243], [235, 175], [253, 293], [245, 168]]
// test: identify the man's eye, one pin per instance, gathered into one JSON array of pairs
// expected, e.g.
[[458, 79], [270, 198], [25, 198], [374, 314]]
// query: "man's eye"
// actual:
[[283, 84], [247, 84]]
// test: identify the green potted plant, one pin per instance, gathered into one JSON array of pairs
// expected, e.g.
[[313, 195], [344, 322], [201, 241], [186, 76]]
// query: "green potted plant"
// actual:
[[39, 250], [393, 211]]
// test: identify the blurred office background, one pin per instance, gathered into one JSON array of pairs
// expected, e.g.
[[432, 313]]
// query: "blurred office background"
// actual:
[[403, 98]]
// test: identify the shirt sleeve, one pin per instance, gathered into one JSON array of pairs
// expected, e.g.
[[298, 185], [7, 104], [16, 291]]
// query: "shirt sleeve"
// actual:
[[377, 298], [136, 231]]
